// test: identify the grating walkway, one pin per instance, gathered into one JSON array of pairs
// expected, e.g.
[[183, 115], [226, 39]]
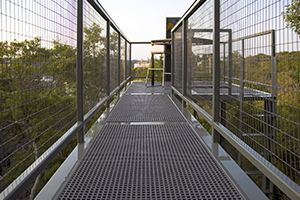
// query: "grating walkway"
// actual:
[[160, 160]]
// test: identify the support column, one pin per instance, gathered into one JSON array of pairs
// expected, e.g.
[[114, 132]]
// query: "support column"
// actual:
[[241, 97], [216, 70], [125, 64], [230, 62], [184, 60], [119, 59], [108, 61], [130, 59], [80, 97], [152, 71], [172, 59]]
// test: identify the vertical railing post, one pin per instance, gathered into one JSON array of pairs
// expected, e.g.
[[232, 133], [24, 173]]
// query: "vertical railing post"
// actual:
[[184, 60], [108, 61], [172, 60], [152, 71], [224, 62], [119, 59], [216, 70], [274, 92], [125, 63], [80, 99], [229, 62], [270, 118], [241, 96], [130, 60]]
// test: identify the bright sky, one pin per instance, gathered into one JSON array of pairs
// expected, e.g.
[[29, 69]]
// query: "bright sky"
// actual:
[[142, 20]]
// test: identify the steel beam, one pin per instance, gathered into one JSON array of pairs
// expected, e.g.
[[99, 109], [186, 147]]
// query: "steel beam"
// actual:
[[184, 59], [80, 97], [216, 69], [108, 60]]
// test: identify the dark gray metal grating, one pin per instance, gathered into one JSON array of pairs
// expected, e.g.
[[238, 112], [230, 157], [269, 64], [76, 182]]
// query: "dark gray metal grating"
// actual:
[[139, 87], [149, 162], [145, 108]]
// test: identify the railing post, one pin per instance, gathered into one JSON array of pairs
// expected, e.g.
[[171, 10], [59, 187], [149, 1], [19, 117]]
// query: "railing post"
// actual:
[[108, 61], [229, 62], [126, 65], [80, 97], [241, 96], [172, 60], [216, 70], [119, 59], [184, 60], [130, 59], [152, 71]]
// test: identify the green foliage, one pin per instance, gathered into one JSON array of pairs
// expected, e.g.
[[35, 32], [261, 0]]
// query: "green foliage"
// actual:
[[94, 68], [38, 98], [292, 16]]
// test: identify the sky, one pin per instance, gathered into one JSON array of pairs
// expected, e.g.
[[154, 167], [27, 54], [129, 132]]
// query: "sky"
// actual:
[[142, 20]]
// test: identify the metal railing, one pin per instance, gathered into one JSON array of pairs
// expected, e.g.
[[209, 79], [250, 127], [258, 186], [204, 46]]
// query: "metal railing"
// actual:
[[235, 63], [55, 82]]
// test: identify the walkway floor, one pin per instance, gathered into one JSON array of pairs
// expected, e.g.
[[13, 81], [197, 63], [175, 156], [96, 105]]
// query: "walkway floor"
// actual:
[[147, 150]]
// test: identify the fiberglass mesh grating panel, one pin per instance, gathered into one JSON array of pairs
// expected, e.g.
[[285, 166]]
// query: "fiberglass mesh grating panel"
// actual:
[[149, 162], [139, 87], [145, 108]]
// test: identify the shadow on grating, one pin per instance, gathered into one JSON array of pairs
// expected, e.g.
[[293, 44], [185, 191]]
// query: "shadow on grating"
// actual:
[[145, 108], [149, 162]]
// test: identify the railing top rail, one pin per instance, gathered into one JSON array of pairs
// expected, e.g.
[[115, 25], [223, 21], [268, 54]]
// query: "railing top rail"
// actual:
[[194, 7]]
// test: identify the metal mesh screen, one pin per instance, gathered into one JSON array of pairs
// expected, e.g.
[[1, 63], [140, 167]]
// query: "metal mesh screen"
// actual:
[[94, 44], [114, 57], [200, 55], [123, 60], [264, 67], [178, 59], [128, 60], [37, 82]]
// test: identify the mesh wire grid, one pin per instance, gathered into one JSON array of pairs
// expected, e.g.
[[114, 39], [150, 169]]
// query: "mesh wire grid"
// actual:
[[265, 58], [123, 60], [114, 65], [37, 95], [178, 59], [94, 67], [199, 55]]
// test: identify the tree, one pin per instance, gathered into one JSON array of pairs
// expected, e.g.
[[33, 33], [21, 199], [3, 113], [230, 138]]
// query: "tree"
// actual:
[[292, 16], [34, 102], [38, 99], [94, 65]]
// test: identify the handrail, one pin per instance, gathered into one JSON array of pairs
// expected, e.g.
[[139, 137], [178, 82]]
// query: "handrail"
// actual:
[[190, 11], [97, 6], [26, 178]]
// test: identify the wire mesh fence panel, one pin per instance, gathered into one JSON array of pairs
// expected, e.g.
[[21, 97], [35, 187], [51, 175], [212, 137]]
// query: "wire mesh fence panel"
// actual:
[[123, 60], [200, 56], [94, 56], [263, 68], [128, 67], [114, 56], [37, 83], [178, 59]]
